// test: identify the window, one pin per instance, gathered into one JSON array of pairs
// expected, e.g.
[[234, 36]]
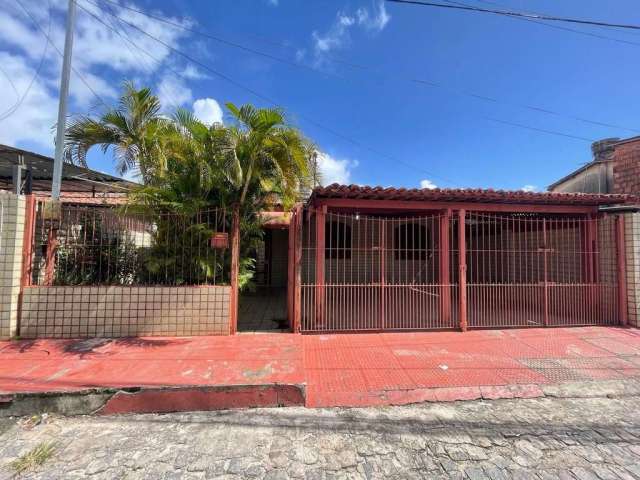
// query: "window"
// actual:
[[337, 240], [410, 241]]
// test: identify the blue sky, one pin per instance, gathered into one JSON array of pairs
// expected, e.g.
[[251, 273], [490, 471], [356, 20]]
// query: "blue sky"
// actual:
[[374, 125]]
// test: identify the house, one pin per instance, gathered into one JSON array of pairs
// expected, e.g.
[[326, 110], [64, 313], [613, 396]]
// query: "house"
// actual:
[[24, 172], [615, 168], [373, 258]]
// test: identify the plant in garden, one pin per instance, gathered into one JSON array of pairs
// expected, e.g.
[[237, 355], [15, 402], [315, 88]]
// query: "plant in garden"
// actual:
[[188, 167]]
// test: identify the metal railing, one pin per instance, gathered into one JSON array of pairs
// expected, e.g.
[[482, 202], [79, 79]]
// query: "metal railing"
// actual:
[[96, 245], [364, 272]]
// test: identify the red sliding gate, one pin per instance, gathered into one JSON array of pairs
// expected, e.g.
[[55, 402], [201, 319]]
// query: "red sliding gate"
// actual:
[[378, 272]]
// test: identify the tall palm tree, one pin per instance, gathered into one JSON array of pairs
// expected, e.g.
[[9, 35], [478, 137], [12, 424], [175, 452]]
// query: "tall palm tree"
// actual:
[[271, 157], [135, 129]]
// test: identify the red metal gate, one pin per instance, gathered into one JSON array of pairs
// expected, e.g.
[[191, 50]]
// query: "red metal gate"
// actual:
[[366, 272], [533, 270], [377, 273]]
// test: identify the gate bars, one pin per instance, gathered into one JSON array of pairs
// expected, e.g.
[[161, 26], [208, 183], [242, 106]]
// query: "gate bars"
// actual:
[[532, 270], [377, 272]]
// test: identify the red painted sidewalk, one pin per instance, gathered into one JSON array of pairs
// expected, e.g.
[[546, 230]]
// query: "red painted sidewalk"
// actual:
[[341, 369]]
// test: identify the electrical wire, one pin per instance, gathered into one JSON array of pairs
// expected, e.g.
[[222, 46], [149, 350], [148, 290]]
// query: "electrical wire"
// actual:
[[47, 36], [418, 81], [556, 27], [510, 13], [273, 102], [328, 129], [127, 40], [10, 111]]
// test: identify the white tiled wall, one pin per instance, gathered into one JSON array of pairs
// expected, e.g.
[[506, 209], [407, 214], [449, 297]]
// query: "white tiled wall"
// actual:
[[12, 211]]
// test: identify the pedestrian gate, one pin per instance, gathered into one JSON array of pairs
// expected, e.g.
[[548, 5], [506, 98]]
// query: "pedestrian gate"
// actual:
[[450, 270]]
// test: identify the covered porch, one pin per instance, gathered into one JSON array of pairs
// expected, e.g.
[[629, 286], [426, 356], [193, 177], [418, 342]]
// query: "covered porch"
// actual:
[[375, 259]]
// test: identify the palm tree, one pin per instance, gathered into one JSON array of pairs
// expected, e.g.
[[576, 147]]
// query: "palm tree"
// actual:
[[135, 129], [271, 157]]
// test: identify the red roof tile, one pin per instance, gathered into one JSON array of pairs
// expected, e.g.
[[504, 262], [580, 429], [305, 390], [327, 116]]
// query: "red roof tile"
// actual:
[[467, 195]]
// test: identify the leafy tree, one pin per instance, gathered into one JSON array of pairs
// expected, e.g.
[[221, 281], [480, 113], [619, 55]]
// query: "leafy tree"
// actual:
[[187, 166], [135, 129]]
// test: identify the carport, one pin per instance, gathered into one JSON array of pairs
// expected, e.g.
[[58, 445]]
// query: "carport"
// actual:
[[376, 259]]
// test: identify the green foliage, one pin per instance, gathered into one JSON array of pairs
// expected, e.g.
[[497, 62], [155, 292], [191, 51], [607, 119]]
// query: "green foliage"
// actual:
[[109, 257], [256, 162]]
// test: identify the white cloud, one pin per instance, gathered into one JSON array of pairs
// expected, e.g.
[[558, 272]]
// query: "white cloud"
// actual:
[[334, 170], [101, 56], [207, 110], [273, 3], [173, 92], [34, 119], [529, 188], [376, 20], [426, 183], [338, 35]]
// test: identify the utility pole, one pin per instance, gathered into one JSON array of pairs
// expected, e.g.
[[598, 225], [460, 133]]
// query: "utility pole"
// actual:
[[62, 106]]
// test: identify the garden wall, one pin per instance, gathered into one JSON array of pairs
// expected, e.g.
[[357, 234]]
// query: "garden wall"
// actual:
[[12, 211], [122, 311]]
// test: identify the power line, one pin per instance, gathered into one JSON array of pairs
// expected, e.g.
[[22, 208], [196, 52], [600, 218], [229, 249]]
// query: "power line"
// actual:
[[417, 81], [271, 101], [510, 13], [127, 41], [557, 27], [323, 127], [80, 76], [542, 130], [10, 111]]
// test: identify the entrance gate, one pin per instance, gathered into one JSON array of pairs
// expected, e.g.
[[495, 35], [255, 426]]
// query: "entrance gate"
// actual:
[[381, 272]]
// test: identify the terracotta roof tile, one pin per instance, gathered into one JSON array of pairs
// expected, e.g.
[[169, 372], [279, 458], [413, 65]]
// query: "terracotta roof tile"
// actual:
[[467, 195]]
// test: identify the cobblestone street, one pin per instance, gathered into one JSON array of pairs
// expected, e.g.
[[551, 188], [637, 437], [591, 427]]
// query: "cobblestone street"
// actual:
[[581, 438]]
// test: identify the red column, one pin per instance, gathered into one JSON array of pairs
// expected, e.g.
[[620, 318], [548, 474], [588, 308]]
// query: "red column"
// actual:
[[383, 272], [291, 268], [622, 269], [297, 298], [444, 268], [235, 270], [462, 282], [320, 279], [27, 241], [545, 265], [50, 258]]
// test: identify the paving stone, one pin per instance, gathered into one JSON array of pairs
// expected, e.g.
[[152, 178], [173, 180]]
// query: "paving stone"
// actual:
[[543, 438]]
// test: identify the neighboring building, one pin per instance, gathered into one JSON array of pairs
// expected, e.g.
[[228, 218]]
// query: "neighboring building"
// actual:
[[24, 172], [615, 168]]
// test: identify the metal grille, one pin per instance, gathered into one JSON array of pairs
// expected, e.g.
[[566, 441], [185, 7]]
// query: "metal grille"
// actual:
[[89, 245], [380, 273], [364, 272], [531, 270]]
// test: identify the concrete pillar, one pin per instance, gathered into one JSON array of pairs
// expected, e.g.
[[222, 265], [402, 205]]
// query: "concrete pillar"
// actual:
[[12, 221]]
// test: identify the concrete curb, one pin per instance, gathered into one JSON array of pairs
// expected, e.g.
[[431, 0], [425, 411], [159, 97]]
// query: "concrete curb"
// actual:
[[223, 397], [155, 400]]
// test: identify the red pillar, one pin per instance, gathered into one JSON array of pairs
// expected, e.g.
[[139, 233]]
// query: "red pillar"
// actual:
[[622, 269], [27, 242], [383, 272], [462, 249], [50, 258], [320, 278], [291, 269], [297, 298], [444, 264], [235, 270], [545, 264]]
